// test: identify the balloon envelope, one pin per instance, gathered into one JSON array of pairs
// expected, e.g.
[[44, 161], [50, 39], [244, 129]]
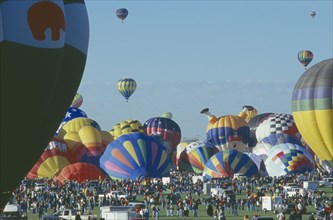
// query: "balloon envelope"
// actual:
[[125, 127], [167, 115], [228, 162], [80, 172], [43, 56], [122, 13], [195, 159], [305, 57], [312, 105], [126, 87], [55, 157], [77, 101], [277, 124], [228, 132], [285, 159], [312, 14], [167, 129], [253, 124], [135, 156]]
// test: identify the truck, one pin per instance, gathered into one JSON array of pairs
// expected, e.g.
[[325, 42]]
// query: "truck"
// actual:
[[68, 214], [13, 211], [119, 213]]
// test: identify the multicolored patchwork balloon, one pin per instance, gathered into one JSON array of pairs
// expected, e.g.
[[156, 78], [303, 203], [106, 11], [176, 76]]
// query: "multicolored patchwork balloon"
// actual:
[[287, 158]]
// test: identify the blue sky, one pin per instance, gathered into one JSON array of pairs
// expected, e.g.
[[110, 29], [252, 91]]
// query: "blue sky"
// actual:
[[187, 55]]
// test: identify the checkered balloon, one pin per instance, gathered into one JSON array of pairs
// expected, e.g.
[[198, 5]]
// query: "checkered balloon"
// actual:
[[277, 124]]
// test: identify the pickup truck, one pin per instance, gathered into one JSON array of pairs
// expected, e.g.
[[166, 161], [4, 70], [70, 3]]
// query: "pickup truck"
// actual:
[[68, 214]]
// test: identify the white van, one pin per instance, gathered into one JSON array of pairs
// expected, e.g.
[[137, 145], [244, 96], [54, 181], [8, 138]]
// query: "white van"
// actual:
[[13, 211]]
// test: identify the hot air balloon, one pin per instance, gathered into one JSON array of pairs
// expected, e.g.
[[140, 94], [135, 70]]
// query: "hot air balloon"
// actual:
[[167, 129], [259, 160], [125, 127], [126, 87], [277, 124], [79, 172], [312, 14], [91, 138], [179, 149], [77, 123], [313, 109], [253, 124], [74, 113], [55, 157], [250, 112], [77, 101], [71, 114], [84, 138], [285, 159], [194, 160], [228, 162], [324, 165], [305, 57], [271, 140], [122, 13], [167, 115], [227, 132], [135, 156], [43, 56]]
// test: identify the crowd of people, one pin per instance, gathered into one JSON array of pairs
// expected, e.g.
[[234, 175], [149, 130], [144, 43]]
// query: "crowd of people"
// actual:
[[181, 196]]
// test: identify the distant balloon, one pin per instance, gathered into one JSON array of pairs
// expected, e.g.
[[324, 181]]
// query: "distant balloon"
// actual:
[[167, 115], [312, 14], [313, 109], [122, 13], [305, 57], [44, 48], [126, 87], [77, 101]]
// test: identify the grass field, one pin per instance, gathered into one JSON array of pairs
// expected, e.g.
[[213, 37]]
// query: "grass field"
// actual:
[[202, 214]]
